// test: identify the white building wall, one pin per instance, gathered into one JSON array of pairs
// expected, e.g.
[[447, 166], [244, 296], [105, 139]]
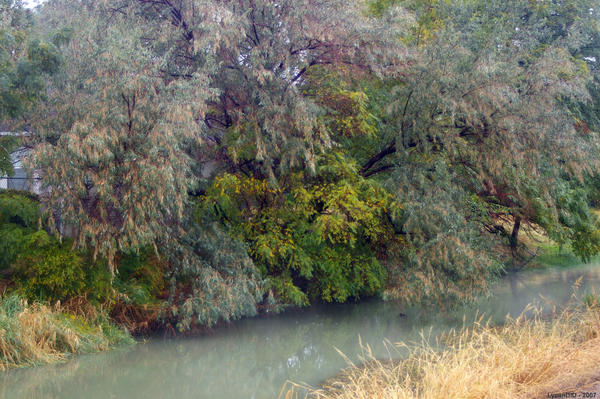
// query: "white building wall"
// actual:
[[32, 184]]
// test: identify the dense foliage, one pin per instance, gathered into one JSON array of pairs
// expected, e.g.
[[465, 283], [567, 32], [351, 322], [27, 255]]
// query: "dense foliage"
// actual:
[[53, 271], [19, 225], [316, 236], [221, 157], [41, 266], [25, 62]]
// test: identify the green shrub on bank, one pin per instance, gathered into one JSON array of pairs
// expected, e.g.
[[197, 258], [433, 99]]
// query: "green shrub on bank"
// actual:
[[19, 225], [56, 272], [141, 276], [44, 267], [19, 207], [205, 279]]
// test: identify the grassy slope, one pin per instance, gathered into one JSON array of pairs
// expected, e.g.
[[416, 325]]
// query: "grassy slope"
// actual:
[[550, 253], [538, 251]]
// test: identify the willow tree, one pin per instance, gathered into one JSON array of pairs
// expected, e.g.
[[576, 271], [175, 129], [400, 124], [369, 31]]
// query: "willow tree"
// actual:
[[257, 54], [483, 129], [149, 88], [144, 78], [117, 173]]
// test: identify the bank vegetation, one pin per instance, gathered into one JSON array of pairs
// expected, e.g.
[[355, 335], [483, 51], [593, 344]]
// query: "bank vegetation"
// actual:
[[35, 334], [200, 161], [533, 356]]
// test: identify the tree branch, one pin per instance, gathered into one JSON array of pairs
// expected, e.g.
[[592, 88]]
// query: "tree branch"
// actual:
[[390, 149], [378, 170]]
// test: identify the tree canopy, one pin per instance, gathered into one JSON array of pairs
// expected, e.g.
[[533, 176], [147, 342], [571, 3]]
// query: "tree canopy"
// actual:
[[311, 150], [25, 61]]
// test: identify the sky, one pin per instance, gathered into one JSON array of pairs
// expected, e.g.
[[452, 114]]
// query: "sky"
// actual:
[[32, 3]]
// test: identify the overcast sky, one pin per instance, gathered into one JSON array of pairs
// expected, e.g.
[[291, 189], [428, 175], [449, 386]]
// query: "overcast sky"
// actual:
[[32, 3]]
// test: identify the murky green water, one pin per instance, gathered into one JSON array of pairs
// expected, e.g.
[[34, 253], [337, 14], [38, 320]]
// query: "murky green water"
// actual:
[[254, 358]]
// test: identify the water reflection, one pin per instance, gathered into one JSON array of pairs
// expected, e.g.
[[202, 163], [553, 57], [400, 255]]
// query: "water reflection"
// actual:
[[255, 357]]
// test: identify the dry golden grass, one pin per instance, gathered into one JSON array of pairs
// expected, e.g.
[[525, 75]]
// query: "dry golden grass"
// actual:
[[38, 341], [525, 358], [38, 334]]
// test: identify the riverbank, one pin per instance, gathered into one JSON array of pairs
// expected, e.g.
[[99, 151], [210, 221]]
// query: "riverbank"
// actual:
[[35, 334], [254, 357], [537, 251], [525, 358]]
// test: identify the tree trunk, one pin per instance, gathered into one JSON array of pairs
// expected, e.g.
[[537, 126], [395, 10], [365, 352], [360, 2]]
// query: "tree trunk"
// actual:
[[514, 237]]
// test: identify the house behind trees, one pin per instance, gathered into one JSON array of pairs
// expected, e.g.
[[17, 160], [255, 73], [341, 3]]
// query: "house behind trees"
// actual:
[[20, 180]]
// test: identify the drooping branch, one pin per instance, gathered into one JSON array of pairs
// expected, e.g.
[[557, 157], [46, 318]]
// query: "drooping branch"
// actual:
[[176, 16]]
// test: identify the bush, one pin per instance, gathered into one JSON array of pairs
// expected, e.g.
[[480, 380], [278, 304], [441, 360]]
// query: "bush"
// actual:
[[19, 225], [141, 276], [45, 268], [19, 207], [56, 272]]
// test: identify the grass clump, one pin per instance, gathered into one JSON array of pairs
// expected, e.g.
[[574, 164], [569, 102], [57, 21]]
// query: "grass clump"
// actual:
[[553, 255], [32, 334], [525, 358]]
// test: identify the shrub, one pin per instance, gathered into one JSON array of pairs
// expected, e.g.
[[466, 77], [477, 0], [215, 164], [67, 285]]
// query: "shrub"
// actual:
[[19, 207], [56, 272], [44, 267], [19, 225], [141, 276]]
